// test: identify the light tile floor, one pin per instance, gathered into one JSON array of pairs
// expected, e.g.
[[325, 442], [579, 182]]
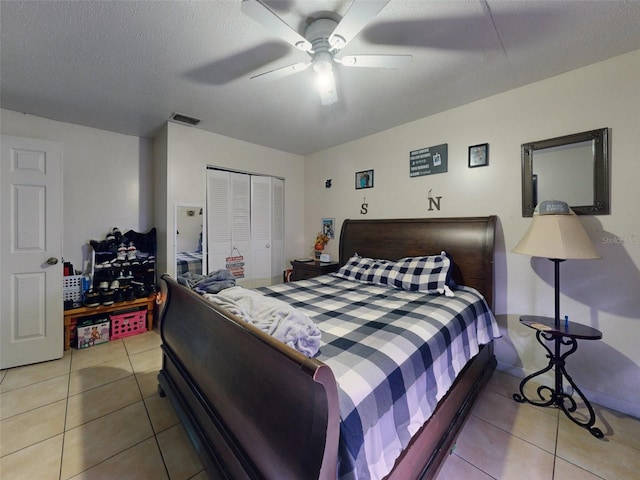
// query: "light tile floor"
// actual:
[[96, 414]]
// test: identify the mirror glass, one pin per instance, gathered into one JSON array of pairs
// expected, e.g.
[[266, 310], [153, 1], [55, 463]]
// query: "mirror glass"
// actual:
[[188, 243], [572, 168]]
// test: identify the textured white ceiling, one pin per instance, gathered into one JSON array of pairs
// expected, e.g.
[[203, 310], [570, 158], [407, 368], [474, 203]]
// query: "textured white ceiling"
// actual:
[[125, 66]]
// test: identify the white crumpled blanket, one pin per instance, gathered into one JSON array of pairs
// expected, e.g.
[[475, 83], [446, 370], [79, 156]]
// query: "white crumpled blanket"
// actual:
[[275, 317]]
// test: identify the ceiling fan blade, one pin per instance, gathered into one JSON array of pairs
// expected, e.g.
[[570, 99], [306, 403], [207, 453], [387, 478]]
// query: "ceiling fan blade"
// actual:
[[360, 13], [282, 71], [375, 61], [264, 16]]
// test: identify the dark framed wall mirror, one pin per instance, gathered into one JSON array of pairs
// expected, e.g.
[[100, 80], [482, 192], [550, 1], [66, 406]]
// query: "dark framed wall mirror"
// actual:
[[572, 168]]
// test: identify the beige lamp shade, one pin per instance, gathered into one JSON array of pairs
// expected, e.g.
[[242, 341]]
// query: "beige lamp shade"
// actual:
[[558, 236]]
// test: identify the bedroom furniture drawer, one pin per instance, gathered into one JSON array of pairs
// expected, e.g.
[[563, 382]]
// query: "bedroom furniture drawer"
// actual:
[[304, 270]]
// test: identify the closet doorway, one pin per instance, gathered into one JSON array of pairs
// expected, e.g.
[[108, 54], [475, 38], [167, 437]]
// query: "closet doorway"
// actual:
[[188, 239], [245, 226]]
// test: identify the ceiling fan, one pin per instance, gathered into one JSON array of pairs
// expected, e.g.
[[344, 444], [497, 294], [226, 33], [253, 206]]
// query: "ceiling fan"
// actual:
[[322, 40]]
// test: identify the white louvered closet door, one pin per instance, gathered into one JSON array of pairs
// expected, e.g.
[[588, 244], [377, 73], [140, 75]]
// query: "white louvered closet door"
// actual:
[[218, 218], [228, 219], [245, 217], [261, 230], [241, 224]]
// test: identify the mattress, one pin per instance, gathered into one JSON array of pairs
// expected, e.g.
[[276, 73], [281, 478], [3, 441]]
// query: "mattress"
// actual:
[[394, 354]]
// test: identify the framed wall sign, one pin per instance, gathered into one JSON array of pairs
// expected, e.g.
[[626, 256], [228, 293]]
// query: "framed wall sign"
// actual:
[[427, 161], [479, 155], [364, 179]]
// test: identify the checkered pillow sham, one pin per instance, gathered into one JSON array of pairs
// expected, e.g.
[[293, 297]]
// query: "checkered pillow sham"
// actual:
[[428, 274]]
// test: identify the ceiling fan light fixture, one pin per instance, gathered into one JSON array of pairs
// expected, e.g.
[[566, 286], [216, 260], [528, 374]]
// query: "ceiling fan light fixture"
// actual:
[[326, 84], [322, 62], [325, 35]]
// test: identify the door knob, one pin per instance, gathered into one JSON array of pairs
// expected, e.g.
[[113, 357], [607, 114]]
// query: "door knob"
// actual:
[[268, 245], [52, 260]]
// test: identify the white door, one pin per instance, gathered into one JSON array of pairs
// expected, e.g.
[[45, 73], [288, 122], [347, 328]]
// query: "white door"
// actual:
[[218, 219], [261, 230], [228, 223], [277, 230], [31, 313], [241, 228]]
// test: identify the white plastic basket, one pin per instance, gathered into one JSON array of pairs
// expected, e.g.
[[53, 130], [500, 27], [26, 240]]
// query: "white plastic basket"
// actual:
[[72, 288]]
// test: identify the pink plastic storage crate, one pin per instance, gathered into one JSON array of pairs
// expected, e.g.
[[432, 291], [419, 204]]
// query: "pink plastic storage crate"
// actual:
[[127, 324]]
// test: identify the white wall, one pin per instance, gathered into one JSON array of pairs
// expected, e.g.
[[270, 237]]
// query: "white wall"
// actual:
[[604, 294], [108, 179], [188, 153]]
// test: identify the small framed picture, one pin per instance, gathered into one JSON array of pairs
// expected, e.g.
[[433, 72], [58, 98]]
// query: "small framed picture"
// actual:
[[327, 227], [364, 179], [479, 155]]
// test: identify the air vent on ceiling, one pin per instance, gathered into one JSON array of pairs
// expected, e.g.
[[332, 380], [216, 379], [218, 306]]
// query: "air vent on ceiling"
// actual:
[[184, 119]]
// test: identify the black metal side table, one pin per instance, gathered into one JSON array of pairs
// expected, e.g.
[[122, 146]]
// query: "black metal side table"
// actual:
[[566, 335]]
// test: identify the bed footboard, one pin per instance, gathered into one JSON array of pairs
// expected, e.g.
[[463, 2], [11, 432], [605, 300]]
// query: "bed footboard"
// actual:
[[253, 407]]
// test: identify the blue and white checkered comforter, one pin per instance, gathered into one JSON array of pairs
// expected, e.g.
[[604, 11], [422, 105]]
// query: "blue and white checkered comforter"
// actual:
[[394, 354], [188, 262]]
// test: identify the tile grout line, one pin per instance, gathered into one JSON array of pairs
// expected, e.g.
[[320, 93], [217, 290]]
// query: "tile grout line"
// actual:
[[146, 409], [66, 412], [555, 450]]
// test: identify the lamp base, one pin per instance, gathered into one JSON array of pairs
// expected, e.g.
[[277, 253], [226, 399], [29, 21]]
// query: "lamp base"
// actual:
[[556, 396]]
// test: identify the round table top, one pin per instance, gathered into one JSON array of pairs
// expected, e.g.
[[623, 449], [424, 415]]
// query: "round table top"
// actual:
[[573, 330]]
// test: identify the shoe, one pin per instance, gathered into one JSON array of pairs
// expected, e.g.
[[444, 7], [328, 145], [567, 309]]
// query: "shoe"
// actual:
[[131, 252], [98, 246], [115, 231], [123, 280], [118, 295], [140, 290], [122, 253], [129, 294], [111, 243], [91, 298], [106, 297]]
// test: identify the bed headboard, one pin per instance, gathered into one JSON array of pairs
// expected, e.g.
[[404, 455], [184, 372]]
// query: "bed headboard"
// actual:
[[469, 242]]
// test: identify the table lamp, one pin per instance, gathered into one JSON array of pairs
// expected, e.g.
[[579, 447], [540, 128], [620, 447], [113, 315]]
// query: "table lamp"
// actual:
[[555, 233]]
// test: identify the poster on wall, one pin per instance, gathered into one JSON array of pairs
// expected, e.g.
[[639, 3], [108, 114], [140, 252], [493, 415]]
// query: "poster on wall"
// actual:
[[327, 227], [428, 161]]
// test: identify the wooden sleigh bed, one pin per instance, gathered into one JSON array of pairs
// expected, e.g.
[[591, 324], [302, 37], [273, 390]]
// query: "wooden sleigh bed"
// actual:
[[255, 408]]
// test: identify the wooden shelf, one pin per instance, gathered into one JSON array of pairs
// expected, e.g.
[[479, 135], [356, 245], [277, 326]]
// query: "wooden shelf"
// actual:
[[71, 316]]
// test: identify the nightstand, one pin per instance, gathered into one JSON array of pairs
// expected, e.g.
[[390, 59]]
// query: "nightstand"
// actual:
[[565, 335], [304, 270]]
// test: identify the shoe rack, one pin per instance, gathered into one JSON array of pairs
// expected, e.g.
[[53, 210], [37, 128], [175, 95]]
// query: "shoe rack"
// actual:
[[72, 316]]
